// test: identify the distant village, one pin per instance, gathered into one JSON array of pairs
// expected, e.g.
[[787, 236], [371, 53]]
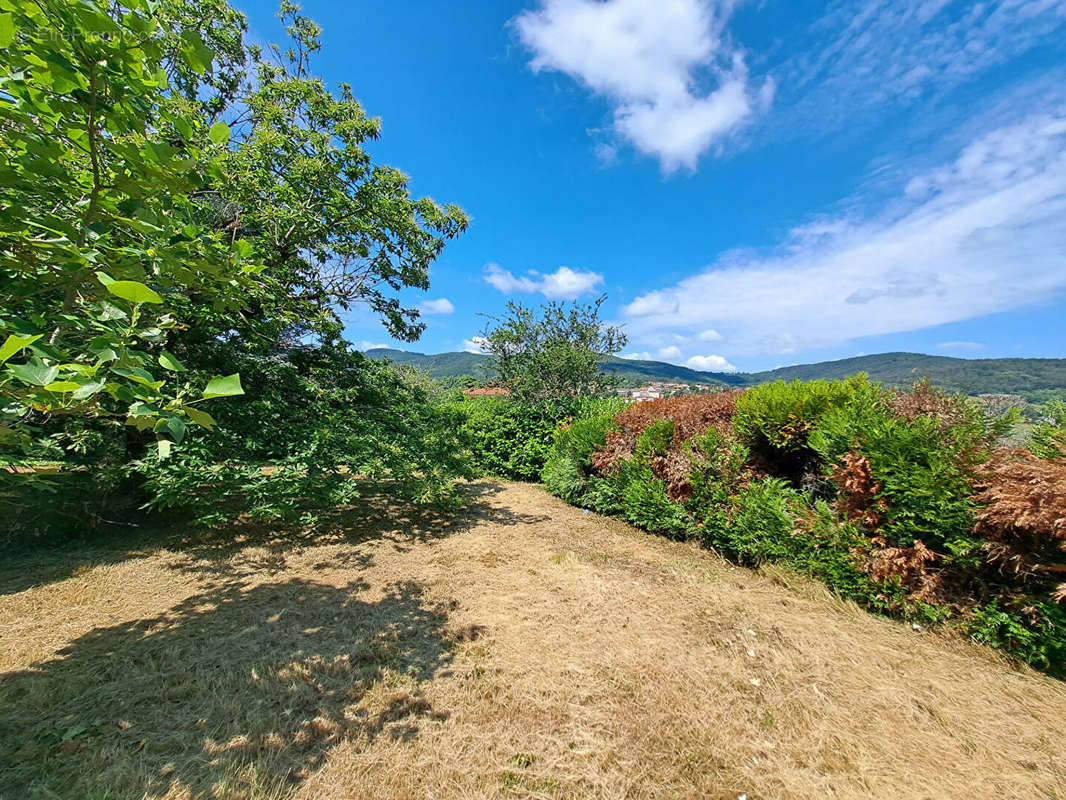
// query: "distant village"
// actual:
[[638, 394], [657, 390]]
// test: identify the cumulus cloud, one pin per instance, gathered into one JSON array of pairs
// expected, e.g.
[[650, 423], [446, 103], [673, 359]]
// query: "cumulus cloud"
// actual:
[[563, 284], [669, 353], [675, 82], [981, 234], [710, 364], [441, 306], [365, 345], [475, 344]]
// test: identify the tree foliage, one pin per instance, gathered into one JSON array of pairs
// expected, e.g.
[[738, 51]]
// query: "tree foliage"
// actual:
[[102, 236], [179, 210], [552, 352]]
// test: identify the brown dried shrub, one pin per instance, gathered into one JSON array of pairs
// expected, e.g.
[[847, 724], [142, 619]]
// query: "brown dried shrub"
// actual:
[[1022, 514], [691, 415], [909, 565], [857, 498], [923, 400]]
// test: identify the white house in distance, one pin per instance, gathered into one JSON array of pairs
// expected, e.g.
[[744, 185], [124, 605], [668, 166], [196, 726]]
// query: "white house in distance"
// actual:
[[655, 391]]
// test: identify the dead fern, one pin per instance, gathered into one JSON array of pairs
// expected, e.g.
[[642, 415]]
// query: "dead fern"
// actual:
[[1022, 515], [858, 490]]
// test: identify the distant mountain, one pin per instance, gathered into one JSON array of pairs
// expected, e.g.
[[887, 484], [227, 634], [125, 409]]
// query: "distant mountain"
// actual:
[[1032, 377], [1024, 376], [441, 365]]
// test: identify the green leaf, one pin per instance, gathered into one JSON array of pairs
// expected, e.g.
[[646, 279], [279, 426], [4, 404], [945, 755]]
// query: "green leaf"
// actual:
[[175, 426], [63, 386], [104, 348], [168, 361], [201, 418], [34, 372], [104, 278], [7, 30], [87, 390], [14, 343], [223, 387], [219, 132], [183, 127], [164, 448], [74, 730], [141, 376], [134, 291]]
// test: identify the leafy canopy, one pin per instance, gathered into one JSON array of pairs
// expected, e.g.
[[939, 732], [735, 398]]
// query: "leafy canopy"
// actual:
[[552, 352], [102, 235]]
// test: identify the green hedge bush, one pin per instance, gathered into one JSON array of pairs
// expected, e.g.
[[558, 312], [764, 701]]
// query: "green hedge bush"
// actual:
[[512, 439], [772, 489]]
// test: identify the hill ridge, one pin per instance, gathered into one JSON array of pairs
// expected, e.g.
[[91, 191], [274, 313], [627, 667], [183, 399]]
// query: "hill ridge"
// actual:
[[1032, 377]]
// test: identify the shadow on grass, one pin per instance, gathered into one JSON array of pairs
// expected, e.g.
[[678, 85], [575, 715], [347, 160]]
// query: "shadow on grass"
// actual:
[[234, 692], [243, 547]]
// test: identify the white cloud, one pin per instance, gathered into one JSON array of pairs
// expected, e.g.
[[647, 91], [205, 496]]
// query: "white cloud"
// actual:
[[960, 346], [441, 306], [475, 344], [365, 345], [675, 82], [710, 364], [709, 335], [861, 57], [563, 284], [979, 235], [670, 353]]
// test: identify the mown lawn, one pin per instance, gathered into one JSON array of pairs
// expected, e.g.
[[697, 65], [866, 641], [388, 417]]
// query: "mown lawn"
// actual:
[[523, 650]]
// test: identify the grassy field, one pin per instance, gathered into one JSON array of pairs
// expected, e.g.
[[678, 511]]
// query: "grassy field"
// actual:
[[523, 650]]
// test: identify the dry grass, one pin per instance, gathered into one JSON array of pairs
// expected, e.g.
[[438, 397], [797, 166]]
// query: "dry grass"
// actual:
[[527, 650]]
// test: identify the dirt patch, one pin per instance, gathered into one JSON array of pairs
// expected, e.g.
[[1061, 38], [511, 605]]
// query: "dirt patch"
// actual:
[[525, 650]]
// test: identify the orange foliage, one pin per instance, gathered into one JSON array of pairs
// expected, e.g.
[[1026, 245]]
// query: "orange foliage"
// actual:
[[691, 415], [908, 565], [1022, 515], [857, 499], [925, 401]]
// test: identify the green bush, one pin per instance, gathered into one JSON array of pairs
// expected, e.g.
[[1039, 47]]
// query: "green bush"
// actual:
[[718, 464], [777, 419], [924, 473], [567, 471], [509, 439], [761, 523], [1048, 438], [646, 504], [1034, 632], [631, 491], [512, 439], [315, 419]]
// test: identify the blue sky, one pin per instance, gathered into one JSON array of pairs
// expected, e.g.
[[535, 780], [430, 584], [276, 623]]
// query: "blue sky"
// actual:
[[752, 184]]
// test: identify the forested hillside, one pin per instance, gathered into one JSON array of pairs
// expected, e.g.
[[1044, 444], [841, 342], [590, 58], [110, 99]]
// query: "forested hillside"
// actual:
[[1036, 378]]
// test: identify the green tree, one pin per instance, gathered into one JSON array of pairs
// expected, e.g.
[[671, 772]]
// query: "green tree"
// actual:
[[103, 248], [165, 222], [554, 352]]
